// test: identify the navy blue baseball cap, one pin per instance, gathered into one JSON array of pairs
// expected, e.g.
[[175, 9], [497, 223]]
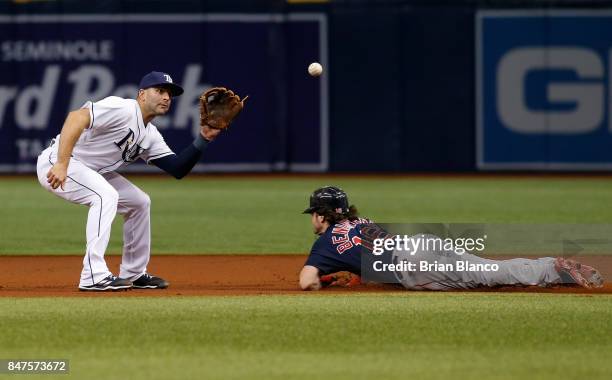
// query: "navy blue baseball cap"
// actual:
[[157, 78]]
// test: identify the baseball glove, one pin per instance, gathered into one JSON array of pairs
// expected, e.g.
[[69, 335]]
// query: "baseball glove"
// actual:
[[346, 279], [219, 106]]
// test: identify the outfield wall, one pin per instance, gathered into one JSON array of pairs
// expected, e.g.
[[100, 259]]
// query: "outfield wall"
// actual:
[[408, 85]]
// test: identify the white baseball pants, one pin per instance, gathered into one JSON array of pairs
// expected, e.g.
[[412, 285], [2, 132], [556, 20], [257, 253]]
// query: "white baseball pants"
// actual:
[[105, 195]]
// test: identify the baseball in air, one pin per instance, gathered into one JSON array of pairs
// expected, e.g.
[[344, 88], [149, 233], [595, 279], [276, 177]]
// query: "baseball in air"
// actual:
[[315, 69]]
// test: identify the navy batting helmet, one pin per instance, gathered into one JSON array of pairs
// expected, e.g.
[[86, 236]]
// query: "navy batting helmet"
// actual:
[[328, 198]]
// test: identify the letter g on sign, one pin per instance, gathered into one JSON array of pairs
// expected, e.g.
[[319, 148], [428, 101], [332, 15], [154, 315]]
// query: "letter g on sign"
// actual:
[[588, 96]]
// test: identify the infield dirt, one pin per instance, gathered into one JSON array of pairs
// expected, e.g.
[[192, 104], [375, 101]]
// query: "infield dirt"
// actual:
[[223, 275]]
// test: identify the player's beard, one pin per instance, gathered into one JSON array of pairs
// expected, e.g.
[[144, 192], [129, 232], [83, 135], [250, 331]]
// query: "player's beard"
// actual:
[[163, 110], [319, 230], [158, 110]]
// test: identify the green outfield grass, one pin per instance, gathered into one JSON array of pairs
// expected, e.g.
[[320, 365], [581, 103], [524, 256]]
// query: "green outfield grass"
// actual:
[[393, 336], [409, 335], [246, 215]]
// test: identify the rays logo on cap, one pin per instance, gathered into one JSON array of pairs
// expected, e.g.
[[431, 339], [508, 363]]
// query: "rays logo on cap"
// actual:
[[158, 78]]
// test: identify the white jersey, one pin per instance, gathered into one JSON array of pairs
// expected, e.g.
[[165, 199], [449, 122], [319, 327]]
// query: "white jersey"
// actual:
[[117, 136]]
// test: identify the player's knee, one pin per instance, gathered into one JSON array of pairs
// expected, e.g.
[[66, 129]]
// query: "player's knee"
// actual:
[[143, 201]]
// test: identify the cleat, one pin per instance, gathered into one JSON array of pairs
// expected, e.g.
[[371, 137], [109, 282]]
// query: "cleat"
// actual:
[[583, 275], [110, 283], [146, 281]]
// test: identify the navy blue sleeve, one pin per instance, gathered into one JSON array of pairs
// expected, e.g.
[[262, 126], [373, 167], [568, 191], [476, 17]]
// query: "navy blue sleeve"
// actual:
[[321, 263], [324, 261], [178, 165]]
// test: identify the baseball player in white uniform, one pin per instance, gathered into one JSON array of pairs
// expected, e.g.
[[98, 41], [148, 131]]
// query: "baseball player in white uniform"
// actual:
[[79, 166]]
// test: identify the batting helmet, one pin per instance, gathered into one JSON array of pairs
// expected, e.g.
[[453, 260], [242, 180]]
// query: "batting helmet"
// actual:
[[328, 198]]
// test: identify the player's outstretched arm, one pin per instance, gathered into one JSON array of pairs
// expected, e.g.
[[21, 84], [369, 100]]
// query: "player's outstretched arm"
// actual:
[[219, 106], [309, 278], [74, 125], [179, 165]]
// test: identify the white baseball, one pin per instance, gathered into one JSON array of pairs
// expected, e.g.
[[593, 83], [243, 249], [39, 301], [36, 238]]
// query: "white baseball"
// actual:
[[315, 69]]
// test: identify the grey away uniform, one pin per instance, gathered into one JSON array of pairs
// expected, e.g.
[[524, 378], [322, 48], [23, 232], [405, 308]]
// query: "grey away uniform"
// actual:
[[342, 246], [340, 249]]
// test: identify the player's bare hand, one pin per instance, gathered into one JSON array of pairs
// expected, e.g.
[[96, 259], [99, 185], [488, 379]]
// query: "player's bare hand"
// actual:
[[209, 133], [56, 177]]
